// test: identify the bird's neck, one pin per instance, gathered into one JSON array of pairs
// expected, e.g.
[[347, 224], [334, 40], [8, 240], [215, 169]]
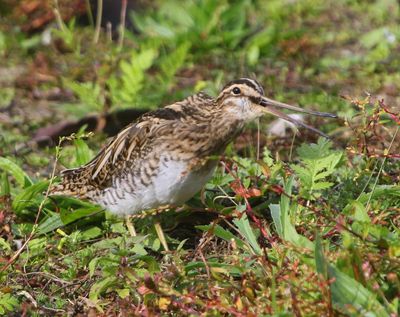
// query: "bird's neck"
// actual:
[[224, 129]]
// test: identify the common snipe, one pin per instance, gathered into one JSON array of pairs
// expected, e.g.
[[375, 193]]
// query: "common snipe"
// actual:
[[167, 155]]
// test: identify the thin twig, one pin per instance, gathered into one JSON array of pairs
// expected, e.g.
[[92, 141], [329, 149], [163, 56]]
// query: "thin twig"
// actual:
[[109, 31], [381, 168], [50, 276], [258, 139], [122, 25], [89, 13], [58, 17], [98, 21]]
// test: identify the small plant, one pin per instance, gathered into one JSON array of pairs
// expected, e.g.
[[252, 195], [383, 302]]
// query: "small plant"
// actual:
[[318, 162], [126, 87], [8, 303]]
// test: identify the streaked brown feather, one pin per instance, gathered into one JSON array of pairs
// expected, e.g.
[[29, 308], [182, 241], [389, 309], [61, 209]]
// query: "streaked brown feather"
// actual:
[[128, 145]]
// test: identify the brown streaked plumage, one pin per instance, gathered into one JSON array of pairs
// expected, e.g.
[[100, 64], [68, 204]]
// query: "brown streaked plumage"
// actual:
[[167, 155]]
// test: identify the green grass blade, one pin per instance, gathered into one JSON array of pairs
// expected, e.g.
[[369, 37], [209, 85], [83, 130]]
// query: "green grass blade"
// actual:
[[222, 233]]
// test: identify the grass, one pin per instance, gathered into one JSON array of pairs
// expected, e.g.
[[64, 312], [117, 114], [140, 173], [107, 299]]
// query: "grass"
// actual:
[[303, 226]]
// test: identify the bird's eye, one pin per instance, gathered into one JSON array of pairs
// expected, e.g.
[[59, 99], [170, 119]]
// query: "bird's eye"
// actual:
[[236, 90]]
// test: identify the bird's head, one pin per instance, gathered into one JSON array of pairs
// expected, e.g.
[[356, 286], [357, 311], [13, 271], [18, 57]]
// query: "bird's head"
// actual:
[[244, 98]]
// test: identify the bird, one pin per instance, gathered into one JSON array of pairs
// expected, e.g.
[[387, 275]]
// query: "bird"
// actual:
[[168, 155]]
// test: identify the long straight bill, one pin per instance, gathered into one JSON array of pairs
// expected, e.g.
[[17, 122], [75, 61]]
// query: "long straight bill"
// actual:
[[266, 102], [284, 116]]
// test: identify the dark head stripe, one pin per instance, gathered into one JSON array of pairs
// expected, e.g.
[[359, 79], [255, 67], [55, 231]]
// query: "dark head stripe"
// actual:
[[248, 82]]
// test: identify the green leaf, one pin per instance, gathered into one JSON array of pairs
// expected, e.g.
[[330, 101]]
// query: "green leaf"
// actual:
[[69, 217], [83, 153], [101, 286], [379, 192], [281, 217], [88, 93], [91, 233], [220, 232], [126, 88], [122, 292], [276, 217], [374, 37], [357, 211], [8, 303], [29, 196], [5, 184], [139, 249], [248, 233], [320, 262], [191, 267], [92, 266], [4, 245], [14, 170], [172, 62], [64, 218], [347, 293], [52, 223], [318, 161]]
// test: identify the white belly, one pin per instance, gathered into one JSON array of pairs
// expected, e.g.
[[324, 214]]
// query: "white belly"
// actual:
[[172, 185]]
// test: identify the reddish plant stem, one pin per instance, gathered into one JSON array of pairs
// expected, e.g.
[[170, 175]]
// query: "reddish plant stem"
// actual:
[[249, 209]]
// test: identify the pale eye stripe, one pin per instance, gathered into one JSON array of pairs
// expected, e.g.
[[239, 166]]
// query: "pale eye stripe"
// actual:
[[254, 84]]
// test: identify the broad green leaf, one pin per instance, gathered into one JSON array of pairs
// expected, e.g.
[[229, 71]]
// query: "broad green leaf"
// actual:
[[320, 262], [122, 292], [64, 218], [139, 249], [51, 223], [5, 184], [91, 233], [14, 170], [276, 217], [286, 230], [68, 217], [248, 233], [357, 211], [281, 217], [347, 293], [92, 266], [83, 153], [29, 196], [380, 191], [101, 286]]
